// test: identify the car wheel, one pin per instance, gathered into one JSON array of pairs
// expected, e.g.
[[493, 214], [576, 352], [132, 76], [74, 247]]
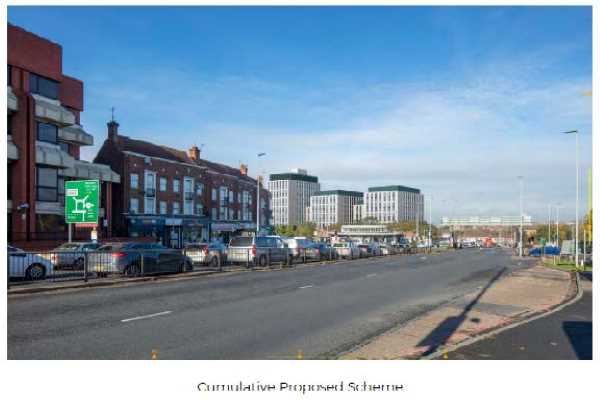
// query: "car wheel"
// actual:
[[35, 272], [214, 263], [78, 264], [132, 270], [262, 261]]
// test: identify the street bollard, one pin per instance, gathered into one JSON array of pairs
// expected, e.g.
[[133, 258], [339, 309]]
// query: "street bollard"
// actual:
[[142, 264], [269, 258], [304, 256]]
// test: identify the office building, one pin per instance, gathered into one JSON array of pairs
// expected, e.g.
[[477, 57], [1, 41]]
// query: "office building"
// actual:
[[390, 204], [332, 207], [290, 195]]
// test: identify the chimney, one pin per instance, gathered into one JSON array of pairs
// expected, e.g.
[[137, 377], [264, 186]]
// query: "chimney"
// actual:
[[113, 130], [194, 153], [244, 169]]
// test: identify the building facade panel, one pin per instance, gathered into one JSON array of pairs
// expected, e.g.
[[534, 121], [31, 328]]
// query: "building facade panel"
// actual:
[[290, 196]]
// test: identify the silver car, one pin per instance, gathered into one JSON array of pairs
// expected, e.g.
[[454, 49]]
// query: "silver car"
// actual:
[[70, 255], [347, 250], [261, 251]]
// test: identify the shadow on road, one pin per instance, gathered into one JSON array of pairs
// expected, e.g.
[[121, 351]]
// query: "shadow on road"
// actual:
[[586, 276], [440, 335], [580, 336]]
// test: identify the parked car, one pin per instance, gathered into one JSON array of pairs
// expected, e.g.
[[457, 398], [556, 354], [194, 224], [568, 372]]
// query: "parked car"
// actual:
[[347, 250], [27, 265], [302, 248], [365, 250], [70, 255], [386, 249], [206, 254], [261, 250], [131, 258], [327, 252], [548, 251]]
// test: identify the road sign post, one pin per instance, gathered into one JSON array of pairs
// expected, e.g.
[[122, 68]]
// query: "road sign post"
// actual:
[[82, 200]]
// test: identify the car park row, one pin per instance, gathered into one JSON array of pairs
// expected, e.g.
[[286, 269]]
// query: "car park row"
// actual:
[[93, 260]]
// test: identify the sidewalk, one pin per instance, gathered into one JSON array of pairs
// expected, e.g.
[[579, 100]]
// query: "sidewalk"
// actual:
[[507, 298]]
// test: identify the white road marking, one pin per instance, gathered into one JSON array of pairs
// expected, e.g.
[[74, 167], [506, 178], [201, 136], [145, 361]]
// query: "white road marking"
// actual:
[[423, 258], [371, 275], [305, 287], [146, 316]]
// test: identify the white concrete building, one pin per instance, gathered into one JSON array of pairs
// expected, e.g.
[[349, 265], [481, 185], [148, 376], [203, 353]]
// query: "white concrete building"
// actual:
[[290, 196], [358, 211], [332, 207], [389, 204]]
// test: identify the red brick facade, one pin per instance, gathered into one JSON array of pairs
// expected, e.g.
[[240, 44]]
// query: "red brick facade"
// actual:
[[30, 54]]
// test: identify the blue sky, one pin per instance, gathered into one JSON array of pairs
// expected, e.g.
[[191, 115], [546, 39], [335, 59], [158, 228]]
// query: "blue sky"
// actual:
[[457, 101]]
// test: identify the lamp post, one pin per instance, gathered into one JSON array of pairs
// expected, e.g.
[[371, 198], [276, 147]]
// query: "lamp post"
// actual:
[[521, 216], [576, 132], [259, 155], [430, 222]]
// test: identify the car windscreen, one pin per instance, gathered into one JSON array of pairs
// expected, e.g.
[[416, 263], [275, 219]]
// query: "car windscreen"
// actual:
[[241, 242], [340, 245], [110, 247]]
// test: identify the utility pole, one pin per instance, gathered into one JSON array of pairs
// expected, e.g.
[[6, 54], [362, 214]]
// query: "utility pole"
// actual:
[[557, 233], [430, 221], [521, 216], [576, 195], [258, 196], [549, 221]]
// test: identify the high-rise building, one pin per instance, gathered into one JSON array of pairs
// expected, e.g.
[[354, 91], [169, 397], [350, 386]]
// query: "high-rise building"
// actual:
[[332, 207], [389, 204], [290, 195], [43, 143]]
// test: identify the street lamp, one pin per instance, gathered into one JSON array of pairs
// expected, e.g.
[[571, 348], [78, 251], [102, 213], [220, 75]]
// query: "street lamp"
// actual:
[[576, 195], [430, 221], [521, 215], [259, 155]]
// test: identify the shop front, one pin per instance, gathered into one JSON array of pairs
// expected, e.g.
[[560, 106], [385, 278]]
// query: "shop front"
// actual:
[[224, 231], [172, 232]]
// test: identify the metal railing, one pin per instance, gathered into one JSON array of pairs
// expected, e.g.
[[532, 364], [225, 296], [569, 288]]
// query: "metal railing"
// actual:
[[60, 266]]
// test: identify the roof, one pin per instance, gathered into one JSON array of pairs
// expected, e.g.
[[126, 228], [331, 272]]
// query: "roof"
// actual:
[[339, 193], [290, 176], [394, 188], [125, 143]]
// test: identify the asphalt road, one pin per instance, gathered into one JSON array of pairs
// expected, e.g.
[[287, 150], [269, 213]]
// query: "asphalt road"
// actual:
[[563, 335], [318, 310]]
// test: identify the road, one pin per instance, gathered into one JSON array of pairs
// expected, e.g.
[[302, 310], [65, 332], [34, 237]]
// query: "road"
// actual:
[[318, 310], [563, 335]]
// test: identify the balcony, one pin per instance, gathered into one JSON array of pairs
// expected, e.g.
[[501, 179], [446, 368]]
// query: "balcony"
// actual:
[[50, 154], [51, 110], [75, 134], [12, 102], [12, 152], [150, 192], [87, 170]]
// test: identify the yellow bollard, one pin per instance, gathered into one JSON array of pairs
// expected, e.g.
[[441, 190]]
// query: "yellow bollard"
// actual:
[[299, 355], [445, 355], [154, 354]]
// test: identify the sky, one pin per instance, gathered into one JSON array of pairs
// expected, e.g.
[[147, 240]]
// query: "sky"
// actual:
[[455, 101]]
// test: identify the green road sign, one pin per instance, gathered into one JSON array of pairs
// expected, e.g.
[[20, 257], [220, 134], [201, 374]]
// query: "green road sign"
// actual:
[[81, 201]]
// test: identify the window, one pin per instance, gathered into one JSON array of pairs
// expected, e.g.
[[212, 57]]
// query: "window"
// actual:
[[9, 124], [199, 209], [47, 132], [47, 184], [163, 207], [163, 184], [61, 190], [214, 215], [199, 189], [214, 194], [44, 86], [64, 147], [134, 206], [176, 185], [175, 207], [133, 181]]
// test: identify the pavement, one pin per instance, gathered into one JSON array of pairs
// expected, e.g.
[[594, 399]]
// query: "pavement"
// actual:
[[563, 335], [508, 296], [319, 311]]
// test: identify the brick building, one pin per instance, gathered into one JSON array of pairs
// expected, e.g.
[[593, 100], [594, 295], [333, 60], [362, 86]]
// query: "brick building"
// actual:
[[43, 142], [176, 196]]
